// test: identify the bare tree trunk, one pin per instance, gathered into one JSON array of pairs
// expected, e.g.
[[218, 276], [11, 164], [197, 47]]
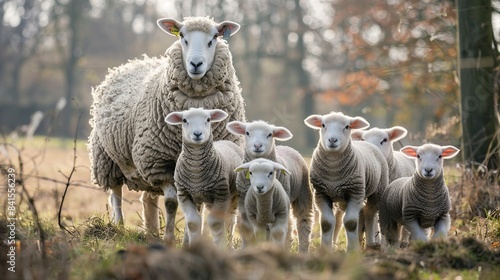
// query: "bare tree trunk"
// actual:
[[478, 58]]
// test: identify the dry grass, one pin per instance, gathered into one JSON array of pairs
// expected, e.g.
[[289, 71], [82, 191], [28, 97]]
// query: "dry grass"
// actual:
[[98, 249]]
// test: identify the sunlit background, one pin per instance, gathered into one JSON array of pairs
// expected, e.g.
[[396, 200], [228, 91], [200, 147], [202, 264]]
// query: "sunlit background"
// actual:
[[393, 62]]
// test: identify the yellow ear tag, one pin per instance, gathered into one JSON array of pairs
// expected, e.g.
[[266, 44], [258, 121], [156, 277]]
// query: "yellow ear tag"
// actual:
[[247, 175], [174, 30], [283, 172]]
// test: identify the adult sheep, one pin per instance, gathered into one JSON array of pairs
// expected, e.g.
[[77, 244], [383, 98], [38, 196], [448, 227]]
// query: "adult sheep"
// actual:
[[130, 144]]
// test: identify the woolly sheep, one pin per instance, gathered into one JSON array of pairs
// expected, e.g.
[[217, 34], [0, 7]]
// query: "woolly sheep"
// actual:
[[399, 164], [129, 144], [204, 173], [420, 201], [346, 172], [260, 143], [266, 201]]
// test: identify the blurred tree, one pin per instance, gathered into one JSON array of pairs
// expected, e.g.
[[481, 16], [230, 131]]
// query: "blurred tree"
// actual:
[[478, 58]]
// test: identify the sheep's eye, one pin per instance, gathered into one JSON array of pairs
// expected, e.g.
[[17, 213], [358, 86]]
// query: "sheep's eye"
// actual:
[[209, 44], [440, 157], [383, 141], [181, 35], [247, 133], [208, 120], [271, 173], [215, 36], [184, 120], [418, 156], [269, 135], [346, 127], [323, 125], [185, 41], [250, 172]]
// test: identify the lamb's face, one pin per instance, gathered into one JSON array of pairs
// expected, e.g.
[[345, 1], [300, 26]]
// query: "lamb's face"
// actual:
[[429, 158], [198, 37], [196, 123], [335, 129], [262, 173], [259, 136]]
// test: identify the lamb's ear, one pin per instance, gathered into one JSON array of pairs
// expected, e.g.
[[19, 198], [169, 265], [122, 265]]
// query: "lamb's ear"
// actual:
[[278, 166], [243, 167], [170, 26], [357, 135], [358, 123], [449, 151], [236, 127], [409, 151], [281, 133], [227, 29], [396, 133], [314, 121], [217, 115], [174, 118]]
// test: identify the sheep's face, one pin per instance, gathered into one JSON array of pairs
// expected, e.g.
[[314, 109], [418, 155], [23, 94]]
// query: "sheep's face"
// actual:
[[335, 129], [429, 158], [381, 138], [259, 136], [262, 173], [196, 123], [198, 37]]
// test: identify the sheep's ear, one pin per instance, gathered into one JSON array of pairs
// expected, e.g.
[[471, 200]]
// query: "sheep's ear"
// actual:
[[449, 151], [170, 26], [243, 167], [227, 29], [217, 115], [409, 151], [236, 127], [281, 133], [314, 121], [396, 133], [357, 135], [358, 123], [278, 166], [174, 118]]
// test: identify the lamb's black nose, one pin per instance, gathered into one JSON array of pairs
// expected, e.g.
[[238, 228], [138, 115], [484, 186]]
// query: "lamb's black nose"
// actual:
[[196, 65]]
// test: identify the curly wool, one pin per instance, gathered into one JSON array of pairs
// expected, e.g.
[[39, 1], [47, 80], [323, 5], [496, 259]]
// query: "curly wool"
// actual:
[[199, 23], [130, 143]]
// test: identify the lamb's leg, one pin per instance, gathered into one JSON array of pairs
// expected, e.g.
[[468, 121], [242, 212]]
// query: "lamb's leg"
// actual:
[[351, 223], [371, 224], [115, 199], [231, 221], [150, 212], [417, 233], [193, 219], [327, 220], [304, 220], [216, 222], [246, 229], [442, 226], [405, 237], [339, 216], [393, 234], [171, 204], [279, 230]]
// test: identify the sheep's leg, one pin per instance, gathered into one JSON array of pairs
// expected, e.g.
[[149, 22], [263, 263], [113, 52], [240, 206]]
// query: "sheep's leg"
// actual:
[[339, 216], [417, 233], [279, 230], [115, 199], [260, 232], [246, 229], [371, 224], [393, 234], [231, 221], [193, 220], [351, 223], [216, 222], [442, 226], [304, 221], [171, 205], [327, 219], [405, 237], [150, 212]]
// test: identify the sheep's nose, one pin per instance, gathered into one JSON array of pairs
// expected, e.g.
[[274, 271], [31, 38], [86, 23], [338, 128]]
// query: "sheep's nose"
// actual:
[[333, 140], [196, 65], [258, 145], [428, 170], [260, 188], [197, 134]]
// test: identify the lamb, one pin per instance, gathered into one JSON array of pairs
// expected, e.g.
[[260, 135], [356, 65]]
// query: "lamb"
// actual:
[[420, 201], [266, 201], [399, 164], [346, 172], [204, 173], [129, 144], [260, 143]]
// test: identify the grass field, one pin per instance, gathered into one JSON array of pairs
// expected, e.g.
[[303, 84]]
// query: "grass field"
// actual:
[[91, 247]]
